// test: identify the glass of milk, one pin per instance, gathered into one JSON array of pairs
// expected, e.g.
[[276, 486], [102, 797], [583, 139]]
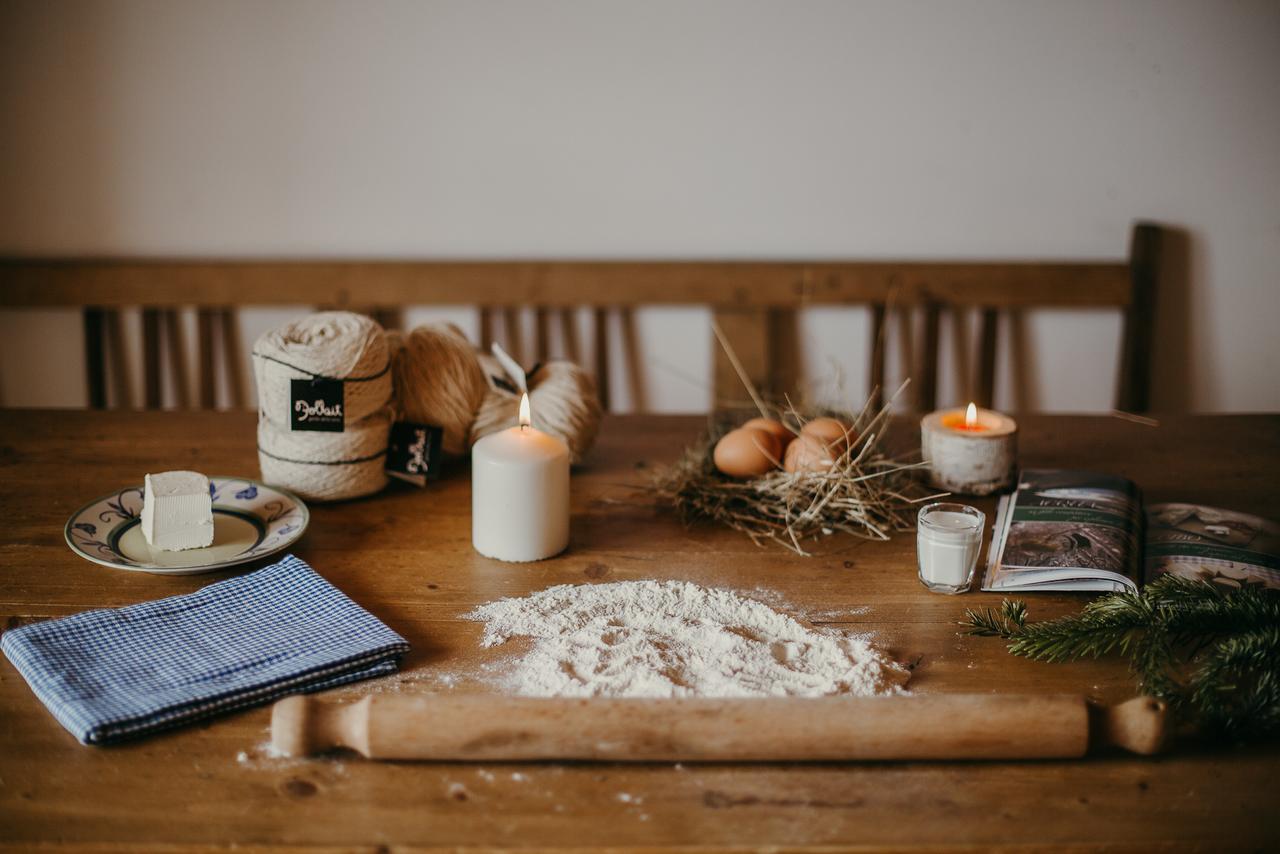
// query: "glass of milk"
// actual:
[[948, 538]]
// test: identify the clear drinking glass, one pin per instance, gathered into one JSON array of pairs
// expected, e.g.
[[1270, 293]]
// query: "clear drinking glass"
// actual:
[[948, 539]]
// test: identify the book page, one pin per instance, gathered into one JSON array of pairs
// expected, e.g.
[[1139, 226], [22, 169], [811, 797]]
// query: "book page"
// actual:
[[1048, 580], [1222, 547], [1073, 520], [1027, 579]]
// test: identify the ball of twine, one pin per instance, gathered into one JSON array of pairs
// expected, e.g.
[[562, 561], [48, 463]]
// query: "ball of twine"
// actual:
[[336, 345], [562, 398], [438, 380]]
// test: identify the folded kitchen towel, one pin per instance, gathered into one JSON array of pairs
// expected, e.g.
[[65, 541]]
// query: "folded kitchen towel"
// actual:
[[108, 675]]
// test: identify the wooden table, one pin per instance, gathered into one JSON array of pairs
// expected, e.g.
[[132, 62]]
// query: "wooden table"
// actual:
[[406, 556]]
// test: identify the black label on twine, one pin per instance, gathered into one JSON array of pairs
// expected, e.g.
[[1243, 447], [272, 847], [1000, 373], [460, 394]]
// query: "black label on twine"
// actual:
[[317, 405], [413, 452]]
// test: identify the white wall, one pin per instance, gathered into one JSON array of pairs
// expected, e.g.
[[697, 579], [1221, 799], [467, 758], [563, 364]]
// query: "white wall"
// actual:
[[666, 129]]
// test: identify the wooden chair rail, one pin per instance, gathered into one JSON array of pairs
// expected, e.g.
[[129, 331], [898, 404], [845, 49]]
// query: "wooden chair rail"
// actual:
[[557, 284], [754, 302]]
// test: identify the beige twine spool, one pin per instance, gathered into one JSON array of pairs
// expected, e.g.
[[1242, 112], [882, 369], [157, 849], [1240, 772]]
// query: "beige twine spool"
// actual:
[[325, 466], [337, 345], [562, 398], [438, 380]]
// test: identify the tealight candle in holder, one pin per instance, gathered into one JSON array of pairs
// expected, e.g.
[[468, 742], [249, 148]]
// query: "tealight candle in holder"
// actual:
[[520, 493], [970, 451], [948, 539]]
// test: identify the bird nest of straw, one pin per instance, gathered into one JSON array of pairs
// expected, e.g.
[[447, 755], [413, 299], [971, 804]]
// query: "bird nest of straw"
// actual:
[[866, 492]]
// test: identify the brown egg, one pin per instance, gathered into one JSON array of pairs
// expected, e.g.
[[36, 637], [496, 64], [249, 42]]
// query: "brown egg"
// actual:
[[747, 452], [836, 435], [809, 453], [769, 425]]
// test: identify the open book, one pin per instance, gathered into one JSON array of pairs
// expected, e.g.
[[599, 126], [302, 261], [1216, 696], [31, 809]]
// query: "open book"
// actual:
[[1074, 530]]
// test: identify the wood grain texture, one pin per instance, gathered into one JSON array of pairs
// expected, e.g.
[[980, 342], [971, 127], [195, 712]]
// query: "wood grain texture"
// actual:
[[95, 357], [744, 284], [175, 344], [117, 360], [747, 332], [986, 383], [600, 353], [786, 360], [513, 333], [927, 387], [875, 378], [388, 317], [633, 361], [206, 319], [480, 727], [406, 556], [737, 289], [486, 329], [232, 357], [569, 334], [1133, 393], [152, 366], [908, 354], [541, 335]]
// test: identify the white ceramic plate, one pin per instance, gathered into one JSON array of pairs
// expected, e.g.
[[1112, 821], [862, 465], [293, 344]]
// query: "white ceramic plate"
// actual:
[[250, 520]]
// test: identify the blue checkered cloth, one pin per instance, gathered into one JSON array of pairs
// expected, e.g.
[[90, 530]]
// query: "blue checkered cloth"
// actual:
[[113, 674]]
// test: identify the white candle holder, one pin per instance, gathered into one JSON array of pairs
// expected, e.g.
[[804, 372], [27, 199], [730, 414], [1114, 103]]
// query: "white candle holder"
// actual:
[[948, 539], [974, 453]]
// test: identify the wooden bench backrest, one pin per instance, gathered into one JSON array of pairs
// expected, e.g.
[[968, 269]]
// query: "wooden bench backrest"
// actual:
[[753, 303]]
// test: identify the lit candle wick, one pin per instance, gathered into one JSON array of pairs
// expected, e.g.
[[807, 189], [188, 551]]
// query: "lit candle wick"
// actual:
[[526, 420], [969, 422]]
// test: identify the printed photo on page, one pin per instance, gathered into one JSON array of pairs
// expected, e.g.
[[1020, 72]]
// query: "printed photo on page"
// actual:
[[1223, 547]]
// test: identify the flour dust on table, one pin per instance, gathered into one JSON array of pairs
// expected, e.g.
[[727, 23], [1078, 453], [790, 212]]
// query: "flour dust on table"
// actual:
[[676, 639]]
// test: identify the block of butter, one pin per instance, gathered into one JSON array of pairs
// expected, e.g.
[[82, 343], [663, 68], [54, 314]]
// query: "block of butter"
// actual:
[[177, 512]]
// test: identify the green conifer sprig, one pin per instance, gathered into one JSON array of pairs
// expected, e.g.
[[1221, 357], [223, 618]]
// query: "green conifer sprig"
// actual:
[[1212, 654]]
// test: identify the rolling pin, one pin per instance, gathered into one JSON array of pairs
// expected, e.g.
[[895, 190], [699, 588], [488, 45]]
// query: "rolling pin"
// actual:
[[479, 727]]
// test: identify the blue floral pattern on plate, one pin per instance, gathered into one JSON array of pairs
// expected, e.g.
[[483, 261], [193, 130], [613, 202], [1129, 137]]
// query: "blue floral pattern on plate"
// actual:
[[93, 531]]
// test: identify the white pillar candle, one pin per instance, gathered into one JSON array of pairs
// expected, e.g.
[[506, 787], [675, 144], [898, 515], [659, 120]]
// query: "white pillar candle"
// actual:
[[972, 452], [948, 539], [520, 493]]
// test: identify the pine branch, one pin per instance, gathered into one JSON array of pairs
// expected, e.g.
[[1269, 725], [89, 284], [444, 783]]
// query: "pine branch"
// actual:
[[1097, 631], [1213, 655], [1008, 623], [1196, 609], [1154, 660], [1236, 681]]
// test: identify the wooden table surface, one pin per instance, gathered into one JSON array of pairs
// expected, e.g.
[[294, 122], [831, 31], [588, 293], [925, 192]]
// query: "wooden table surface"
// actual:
[[406, 556]]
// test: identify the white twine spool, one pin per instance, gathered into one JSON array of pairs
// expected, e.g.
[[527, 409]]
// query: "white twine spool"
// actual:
[[337, 345], [562, 398], [325, 466]]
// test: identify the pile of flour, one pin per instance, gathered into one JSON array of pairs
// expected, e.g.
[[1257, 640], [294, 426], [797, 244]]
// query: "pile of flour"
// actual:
[[675, 639]]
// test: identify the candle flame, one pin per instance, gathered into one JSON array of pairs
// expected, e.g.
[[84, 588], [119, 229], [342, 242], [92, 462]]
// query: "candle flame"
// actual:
[[526, 420], [971, 416]]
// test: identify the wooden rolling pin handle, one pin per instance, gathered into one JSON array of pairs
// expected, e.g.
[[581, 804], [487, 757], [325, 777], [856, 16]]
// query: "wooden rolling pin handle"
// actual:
[[302, 725], [1137, 725], [475, 727]]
